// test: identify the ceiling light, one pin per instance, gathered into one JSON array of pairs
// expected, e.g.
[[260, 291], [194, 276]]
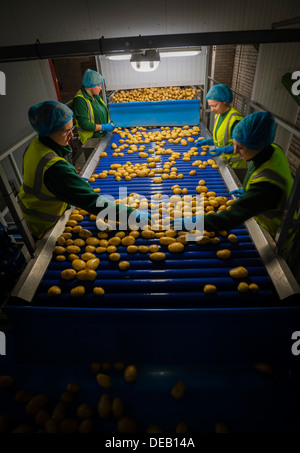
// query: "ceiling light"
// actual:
[[180, 53], [145, 61], [119, 57]]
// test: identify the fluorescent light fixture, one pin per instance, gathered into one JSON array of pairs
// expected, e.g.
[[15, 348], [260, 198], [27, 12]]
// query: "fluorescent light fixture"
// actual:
[[145, 61], [139, 57], [119, 57], [180, 53]]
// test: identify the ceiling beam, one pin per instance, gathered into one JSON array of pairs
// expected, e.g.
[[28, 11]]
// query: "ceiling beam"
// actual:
[[106, 46]]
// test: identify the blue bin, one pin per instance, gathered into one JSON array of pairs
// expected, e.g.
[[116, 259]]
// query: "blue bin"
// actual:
[[159, 113]]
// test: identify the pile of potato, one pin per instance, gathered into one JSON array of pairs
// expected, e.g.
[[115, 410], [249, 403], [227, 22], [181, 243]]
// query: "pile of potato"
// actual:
[[154, 94]]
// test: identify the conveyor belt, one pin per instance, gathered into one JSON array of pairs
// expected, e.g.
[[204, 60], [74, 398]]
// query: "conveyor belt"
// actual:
[[179, 281]]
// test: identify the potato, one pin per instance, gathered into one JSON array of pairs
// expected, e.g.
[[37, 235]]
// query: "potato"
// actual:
[[143, 249], [60, 258], [67, 397], [126, 425], [54, 291], [209, 289], [254, 287], [92, 241], [114, 256], [92, 263], [182, 428], [117, 407], [238, 272], [6, 381], [87, 275], [124, 265], [84, 410], [157, 256], [36, 403], [86, 426], [104, 406], [68, 426], [130, 373], [88, 256], [224, 254], [59, 250], [84, 234], [220, 428], [90, 249], [153, 429], [73, 249], [98, 291], [78, 264], [232, 238], [128, 240], [78, 291], [176, 247], [243, 287], [132, 249], [59, 412], [68, 274], [41, 417], [178, 390], [23, 396], [104, 380], [166, 240], [73, 387], [77, 217], [153, 248], [148, 234]]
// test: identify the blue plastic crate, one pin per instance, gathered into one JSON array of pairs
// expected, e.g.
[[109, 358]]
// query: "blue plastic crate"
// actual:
[[157, 113]]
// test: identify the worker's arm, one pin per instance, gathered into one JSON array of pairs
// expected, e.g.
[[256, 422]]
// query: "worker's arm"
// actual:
[[62, 180], [259, 198]]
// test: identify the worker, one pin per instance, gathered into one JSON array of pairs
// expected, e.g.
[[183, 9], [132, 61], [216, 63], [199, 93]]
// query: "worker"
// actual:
[[51, 184], [219, 98], [267, 183], [91, 112]]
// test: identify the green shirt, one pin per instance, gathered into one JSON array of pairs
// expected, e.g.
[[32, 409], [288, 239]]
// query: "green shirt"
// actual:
[[81, 113], [259, 198], [64, 182]]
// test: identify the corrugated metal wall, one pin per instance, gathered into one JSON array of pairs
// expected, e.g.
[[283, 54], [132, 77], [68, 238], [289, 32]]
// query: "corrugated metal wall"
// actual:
[[274, 60]]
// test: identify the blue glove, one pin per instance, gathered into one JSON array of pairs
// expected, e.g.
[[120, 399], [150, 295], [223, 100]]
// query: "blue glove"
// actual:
[[107, 127], [238, 193], [188, 223], [204, 141], [223, 149]]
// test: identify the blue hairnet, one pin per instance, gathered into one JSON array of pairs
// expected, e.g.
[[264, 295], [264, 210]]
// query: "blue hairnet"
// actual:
[[48, 117], [219, 92], [91, 79], [256, 131]]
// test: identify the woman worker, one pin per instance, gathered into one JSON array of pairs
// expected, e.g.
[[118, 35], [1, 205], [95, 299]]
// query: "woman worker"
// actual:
[[51, 183], [219, 98], [267, 184], [91, 112]]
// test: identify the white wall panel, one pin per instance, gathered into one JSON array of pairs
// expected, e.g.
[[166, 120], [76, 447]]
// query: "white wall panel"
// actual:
[[26, 84], [68, 20], [174, 71], [274, 60]]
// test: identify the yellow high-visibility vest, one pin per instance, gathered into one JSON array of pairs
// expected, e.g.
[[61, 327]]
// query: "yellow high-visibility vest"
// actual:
[[222, 137], [85, 135], [40, 208], [276, 171]]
